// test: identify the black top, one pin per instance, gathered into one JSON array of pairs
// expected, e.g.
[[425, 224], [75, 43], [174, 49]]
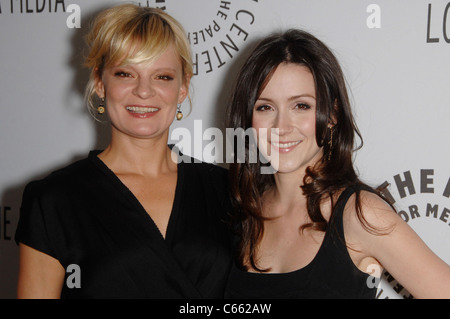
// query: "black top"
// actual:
[[331, 274], [84, 215]]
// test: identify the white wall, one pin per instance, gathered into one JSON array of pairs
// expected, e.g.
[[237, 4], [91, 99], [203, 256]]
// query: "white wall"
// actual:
[[394, 53]]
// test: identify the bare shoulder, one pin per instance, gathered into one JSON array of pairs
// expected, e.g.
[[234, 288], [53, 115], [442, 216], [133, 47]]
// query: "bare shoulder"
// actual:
[[376, 216], [373, 226], [390, 241]]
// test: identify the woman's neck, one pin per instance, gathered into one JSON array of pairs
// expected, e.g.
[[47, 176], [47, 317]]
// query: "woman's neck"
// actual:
[[149, 157], [285, 196]]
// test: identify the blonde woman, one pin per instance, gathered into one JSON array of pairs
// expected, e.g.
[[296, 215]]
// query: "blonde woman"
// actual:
[[135, 220]]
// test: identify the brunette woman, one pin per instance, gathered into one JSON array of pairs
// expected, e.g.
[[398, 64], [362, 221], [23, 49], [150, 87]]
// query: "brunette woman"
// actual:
[[312, 229]]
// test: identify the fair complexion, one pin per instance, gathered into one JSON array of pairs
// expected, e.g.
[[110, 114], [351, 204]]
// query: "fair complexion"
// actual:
[[286, 108], [287, 104], [141, 101]]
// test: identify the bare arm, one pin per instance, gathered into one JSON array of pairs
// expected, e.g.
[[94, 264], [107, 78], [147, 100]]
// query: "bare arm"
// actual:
[[402, 252], [40, 275]]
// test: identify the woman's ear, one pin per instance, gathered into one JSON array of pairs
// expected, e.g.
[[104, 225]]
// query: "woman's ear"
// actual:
[[184, 89], [99, 86]]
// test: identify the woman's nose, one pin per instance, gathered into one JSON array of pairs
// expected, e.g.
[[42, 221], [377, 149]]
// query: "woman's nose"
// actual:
[[144, 88], [283, 123]]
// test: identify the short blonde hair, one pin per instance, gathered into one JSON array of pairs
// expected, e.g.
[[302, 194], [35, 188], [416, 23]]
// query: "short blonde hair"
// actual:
[[130, 33]]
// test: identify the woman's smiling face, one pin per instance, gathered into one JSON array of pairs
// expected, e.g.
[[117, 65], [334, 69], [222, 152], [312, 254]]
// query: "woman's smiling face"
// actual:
[[141, 99], [287, 109]]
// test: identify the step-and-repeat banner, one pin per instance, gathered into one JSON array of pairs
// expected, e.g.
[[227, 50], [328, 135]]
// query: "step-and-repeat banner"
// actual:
[[395, 54]]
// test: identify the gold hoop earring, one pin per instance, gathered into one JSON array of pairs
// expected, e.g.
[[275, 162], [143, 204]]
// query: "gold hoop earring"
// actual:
[[179, 113], [101, 106]]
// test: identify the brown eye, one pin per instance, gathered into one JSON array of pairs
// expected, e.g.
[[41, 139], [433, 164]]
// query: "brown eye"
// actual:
[[302, 106], [264, 107]]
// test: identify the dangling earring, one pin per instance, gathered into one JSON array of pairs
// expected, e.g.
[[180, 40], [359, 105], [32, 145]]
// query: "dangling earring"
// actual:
[[101, 107], [330, 142], [179, 113]]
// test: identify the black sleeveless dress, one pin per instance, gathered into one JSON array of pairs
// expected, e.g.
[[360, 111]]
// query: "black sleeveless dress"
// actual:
[[331, 274]]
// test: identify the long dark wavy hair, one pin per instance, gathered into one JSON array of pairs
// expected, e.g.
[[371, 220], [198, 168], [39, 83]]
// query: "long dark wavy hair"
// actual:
[[331, 174]]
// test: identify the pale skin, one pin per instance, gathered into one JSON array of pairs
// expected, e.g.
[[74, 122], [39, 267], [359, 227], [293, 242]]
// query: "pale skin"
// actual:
[[287, 103], [141, 102]]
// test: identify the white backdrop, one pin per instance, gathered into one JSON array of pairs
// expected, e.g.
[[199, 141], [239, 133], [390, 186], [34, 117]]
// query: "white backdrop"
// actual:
[[395, 54]]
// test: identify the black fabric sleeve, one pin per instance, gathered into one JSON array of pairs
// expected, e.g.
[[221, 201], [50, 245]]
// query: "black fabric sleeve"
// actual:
[[32, 226]]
